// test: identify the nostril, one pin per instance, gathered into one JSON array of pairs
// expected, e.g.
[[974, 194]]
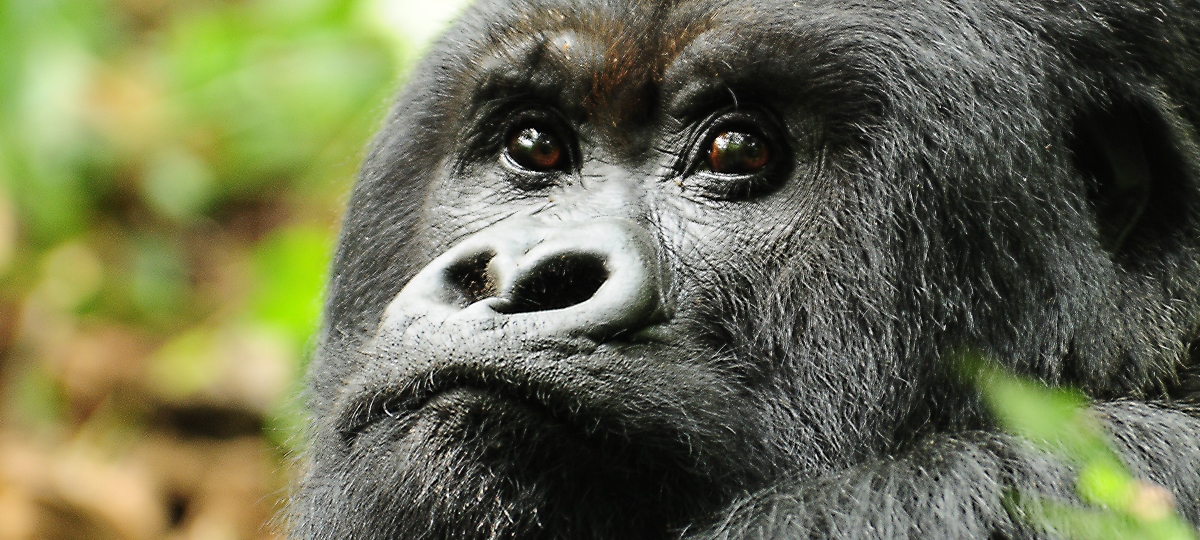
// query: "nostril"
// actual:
[[557, 282], [597, 279], [470, 281]]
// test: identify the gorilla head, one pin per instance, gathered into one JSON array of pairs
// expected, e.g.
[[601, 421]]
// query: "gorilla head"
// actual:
[[634, 269]]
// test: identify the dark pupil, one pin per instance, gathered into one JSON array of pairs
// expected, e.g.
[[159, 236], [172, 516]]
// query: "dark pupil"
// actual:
[[736, 152], [535, 149]]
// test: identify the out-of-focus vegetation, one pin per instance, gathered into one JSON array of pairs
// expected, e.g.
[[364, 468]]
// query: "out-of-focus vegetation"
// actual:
[[1116, 506], [171, 176]]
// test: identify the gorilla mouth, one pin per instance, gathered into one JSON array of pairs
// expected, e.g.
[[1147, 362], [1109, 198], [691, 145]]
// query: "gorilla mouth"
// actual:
[[423, 391]]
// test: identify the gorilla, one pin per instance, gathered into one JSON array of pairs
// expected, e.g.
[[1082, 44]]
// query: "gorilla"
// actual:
[[648, 269]]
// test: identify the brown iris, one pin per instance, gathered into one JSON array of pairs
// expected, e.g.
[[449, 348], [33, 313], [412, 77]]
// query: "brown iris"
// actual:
[[535, 149], [737, 152]]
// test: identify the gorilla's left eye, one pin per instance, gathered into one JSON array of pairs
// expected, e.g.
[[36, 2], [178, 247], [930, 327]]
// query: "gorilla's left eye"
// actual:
[[737, 152], [741, 154], [536, 149]]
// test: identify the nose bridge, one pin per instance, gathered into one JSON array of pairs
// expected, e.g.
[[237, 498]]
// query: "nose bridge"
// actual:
[[603, 191]]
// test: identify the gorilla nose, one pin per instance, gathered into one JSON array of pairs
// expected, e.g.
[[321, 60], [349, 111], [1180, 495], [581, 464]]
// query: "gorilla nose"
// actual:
[[558, 282], [598, 279]]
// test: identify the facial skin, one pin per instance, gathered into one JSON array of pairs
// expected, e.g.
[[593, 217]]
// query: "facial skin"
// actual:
[[650, 270]]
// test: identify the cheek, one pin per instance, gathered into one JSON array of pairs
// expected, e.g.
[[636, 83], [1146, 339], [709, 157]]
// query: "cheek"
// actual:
[[727, 236], [458, 206]]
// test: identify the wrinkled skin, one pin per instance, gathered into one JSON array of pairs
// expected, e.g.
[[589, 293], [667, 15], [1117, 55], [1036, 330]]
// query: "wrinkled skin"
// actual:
[[567, 305]]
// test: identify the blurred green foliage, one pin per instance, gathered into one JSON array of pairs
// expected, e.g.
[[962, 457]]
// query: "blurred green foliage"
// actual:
[[172, 173], [175, 168], [214, 103], [1119, 506]]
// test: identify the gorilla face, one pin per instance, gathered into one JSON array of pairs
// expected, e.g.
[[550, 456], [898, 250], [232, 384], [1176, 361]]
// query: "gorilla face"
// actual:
[[599, 235], [613, 265]]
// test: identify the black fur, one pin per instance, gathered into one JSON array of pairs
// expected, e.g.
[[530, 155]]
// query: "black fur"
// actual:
[[1019, 178]]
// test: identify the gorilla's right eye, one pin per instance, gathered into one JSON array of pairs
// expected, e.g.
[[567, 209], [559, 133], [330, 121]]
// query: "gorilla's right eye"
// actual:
[[536, 149], [737, 152]]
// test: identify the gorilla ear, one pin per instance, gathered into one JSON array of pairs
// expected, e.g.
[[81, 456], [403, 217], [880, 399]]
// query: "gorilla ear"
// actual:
[[1137, 180]]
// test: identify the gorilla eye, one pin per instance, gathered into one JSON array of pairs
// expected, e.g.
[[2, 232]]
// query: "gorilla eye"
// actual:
[[535, 149], [741, 155], [737, 152]]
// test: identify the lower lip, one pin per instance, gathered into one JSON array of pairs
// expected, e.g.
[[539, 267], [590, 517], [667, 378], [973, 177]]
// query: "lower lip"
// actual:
[[454, 396], [467, 399]]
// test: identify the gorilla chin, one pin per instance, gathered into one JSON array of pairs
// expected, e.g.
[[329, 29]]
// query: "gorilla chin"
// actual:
[[507, 467], [537, 437], [473, 461]]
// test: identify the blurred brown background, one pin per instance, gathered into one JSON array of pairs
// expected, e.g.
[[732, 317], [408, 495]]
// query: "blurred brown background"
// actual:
[[171, 177]]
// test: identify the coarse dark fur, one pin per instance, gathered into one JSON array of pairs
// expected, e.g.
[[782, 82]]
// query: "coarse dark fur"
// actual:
[[1015, 177]]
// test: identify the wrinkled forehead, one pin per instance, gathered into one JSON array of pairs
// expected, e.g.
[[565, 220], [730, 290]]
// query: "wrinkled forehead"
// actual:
[[611, 61]]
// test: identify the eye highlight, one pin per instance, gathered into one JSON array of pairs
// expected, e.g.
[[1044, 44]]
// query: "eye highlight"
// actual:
[[736, 155], [737, 152], [536, 149]]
